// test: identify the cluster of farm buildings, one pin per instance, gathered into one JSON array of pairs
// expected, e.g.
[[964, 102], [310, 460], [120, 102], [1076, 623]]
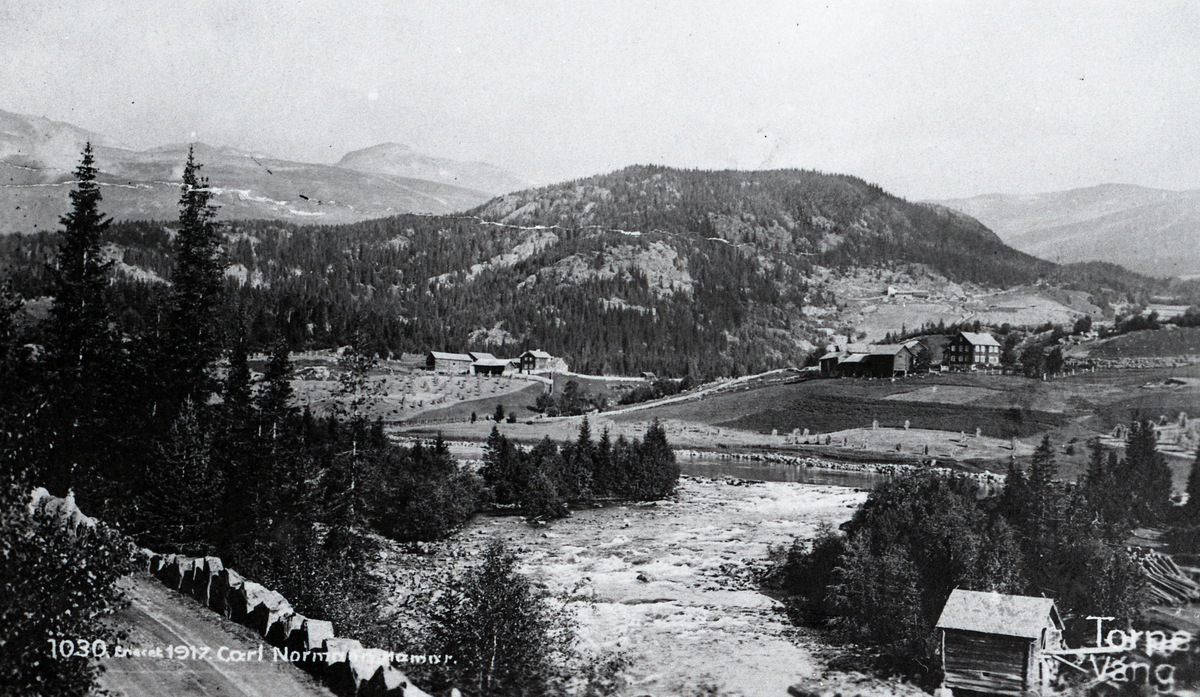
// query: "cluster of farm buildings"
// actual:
[[478, 363], [963, 351]]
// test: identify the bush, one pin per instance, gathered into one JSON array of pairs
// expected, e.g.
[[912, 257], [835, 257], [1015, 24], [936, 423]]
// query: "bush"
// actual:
[[507, 638], [58, 584]]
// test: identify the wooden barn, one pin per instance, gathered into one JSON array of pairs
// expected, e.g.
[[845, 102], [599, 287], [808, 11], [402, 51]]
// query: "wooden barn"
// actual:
[[869, 360], [494, 367], [992, 643], [448, 362]]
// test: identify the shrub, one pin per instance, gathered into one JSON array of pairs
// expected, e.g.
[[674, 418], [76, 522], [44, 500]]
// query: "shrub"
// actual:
[[55, 583]]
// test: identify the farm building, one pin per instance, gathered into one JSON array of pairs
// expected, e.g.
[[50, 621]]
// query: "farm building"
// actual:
[[477, 356], [868, 360], [970, 349], [993, 643], [448, 362], [541, 362], [906, 293], [494, 367], [535, 360]]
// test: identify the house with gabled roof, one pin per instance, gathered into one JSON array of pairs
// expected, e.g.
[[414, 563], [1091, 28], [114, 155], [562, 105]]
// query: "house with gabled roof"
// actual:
[[995, 643], [970, 349]]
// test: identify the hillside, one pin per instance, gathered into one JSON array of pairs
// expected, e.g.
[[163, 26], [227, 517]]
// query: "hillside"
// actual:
[[37, 157], [704, 274], [1151, 231], [810, 217]]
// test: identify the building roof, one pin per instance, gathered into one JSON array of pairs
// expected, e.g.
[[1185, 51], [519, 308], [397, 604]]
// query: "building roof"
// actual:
[[536, 354], [491, 363], [980, 339], [996, 613], [875, 349], [831, 354], [854, 358], [443, 356], [477, 356]]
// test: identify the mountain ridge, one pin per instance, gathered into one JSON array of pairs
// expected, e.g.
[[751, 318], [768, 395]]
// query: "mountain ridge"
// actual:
[[1147, 230], [38, 157]]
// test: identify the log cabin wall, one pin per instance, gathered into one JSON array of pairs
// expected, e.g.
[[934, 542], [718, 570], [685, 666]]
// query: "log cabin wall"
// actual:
[[989, 663]]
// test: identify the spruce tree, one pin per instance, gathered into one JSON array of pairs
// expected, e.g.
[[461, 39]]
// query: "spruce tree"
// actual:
[[1042, 472], [79, 318], [194, 340], [1146, 474]]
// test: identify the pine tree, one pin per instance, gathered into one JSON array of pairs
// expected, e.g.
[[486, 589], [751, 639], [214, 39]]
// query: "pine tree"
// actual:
[[196, 288]]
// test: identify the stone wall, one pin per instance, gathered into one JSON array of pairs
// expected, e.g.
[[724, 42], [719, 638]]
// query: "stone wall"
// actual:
[[343, 664]]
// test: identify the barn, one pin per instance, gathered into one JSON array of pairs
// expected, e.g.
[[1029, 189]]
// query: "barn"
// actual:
[[993, 643], [494, 367], [448, 362], [869, 360]]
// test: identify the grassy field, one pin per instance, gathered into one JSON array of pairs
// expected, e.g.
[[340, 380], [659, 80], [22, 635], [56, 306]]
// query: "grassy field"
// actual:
[[1160, 343]]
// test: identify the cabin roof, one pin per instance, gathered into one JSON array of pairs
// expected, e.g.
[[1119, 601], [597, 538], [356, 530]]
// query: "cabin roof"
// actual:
[[478, 356], [996, 613], [443, 356], [537, 354], [980, 338]]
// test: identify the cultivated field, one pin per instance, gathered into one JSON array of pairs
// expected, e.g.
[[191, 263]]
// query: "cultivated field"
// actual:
[[965, 418], [404, 391]]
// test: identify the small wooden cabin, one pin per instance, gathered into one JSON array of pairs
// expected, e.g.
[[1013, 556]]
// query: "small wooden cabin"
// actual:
[[993, 643]]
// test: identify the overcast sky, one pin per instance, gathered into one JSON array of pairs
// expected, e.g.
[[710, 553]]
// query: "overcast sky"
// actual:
[[928, 99]]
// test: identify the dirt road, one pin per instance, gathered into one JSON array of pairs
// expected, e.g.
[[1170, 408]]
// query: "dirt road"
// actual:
[[160, 618]]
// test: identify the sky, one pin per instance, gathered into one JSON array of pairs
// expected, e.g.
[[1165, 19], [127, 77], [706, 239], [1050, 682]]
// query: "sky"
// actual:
[[927, 99]]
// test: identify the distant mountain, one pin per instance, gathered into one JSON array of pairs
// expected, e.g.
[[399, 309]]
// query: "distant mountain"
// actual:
[[802, 216], [37, 157], [395, 160], [1151, 231]]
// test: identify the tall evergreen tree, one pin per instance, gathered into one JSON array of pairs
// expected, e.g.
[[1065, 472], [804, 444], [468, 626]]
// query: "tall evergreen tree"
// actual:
[[79, 318], [194, 340], [1044, 496], [1147, 475]]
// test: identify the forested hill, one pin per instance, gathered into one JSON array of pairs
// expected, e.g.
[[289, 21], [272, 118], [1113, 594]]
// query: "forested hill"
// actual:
[[832, 220], [705, 274]]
